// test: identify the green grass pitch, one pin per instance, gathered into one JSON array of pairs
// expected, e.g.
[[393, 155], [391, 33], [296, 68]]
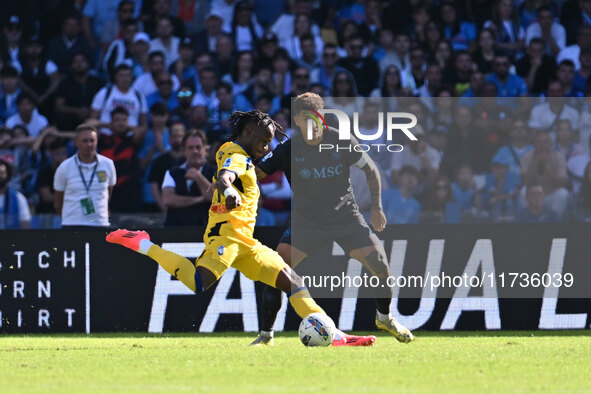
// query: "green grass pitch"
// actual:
[[435, 362]]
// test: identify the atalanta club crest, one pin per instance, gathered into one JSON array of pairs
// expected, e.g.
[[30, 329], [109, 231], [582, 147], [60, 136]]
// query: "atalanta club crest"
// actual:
[[221, 250]]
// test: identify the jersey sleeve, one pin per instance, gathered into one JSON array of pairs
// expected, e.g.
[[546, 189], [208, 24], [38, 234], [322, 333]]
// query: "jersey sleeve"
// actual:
[[98, 99], [275, 160], [234, 162]]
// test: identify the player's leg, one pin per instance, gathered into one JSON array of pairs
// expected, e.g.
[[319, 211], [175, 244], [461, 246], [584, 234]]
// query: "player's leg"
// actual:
[[178, 266], [271, 301], [375, 261]]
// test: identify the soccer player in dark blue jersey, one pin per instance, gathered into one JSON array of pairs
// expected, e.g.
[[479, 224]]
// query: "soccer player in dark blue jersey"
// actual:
[[324, 210]]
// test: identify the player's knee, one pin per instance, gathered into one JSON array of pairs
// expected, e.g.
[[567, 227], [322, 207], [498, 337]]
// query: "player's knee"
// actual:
[[288, 280], [377, 264], [204, 278]]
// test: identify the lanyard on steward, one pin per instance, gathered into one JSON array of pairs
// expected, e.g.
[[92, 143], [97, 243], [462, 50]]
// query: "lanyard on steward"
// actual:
[[89, 184]]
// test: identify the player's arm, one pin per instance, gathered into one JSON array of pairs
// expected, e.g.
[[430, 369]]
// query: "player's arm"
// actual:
[[224, 186], [374, 184]]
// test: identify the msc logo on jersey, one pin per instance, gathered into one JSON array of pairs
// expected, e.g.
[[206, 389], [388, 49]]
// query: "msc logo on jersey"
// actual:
[[322, 173]]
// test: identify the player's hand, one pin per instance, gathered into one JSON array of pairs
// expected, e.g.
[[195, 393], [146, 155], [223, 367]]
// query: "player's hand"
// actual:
[[192, 173], [233, 199], [377, 219]]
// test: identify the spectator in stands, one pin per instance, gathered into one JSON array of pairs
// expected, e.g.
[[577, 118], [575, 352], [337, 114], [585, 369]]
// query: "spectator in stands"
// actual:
[[518, 146], [9, 92], [207, 96], [547, 167], [62, 48], [164, 162], [508, 33], [14, 208], [572, 52], [419, 28], [162, 9], [121, 93], [94, 16], [536, 68], [464, 144], [396, 51], [202, 60], [207, 39], [58, 152], [508, 85], [114, 28], [565, 140], [121, 49], [363, 69], [182, 113], [39, 76], [300, 85], [267, 48], [546, 28], [242, 73], [75, 94], [15, 154], [574, 16], [576, 170], [443, 57], [245, 31], [343, 94], [218, 118], [474, 89], [121, 146], [544, 116], [582, 74], [310, 57], [459, 76], [156, 142], [224, 55], [390, 86], [186, 189], [282, 78], [415, 77], [417, 154], [165, 41], [199, 118], [284, 25], [485, 52], [146, 83], [165, 93], [139, 54], [400, 206], [566, 74], [83, 183], [438, 139], [328, 68], [303, 32], [536, 210], [432, 85], [27, 115], [461, 34], [439, 205], [12, 33], [501, 189], [467, 195], [183, 67], [582, 206]]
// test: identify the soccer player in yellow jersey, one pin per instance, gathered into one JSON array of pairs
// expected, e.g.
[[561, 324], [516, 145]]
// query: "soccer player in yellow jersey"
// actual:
[[229, 234]]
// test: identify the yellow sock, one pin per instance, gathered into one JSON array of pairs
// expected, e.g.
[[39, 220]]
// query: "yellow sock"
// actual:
[[176, 265], [303, 303]]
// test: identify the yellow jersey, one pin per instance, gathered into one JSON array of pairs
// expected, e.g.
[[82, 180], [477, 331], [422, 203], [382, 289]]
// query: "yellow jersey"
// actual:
[[232, 157]]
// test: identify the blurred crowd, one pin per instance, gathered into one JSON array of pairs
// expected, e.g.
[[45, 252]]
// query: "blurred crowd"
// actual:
[[499, 88]]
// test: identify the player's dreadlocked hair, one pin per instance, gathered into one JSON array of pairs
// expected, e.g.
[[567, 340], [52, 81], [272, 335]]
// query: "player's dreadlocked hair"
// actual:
[[238, 120]]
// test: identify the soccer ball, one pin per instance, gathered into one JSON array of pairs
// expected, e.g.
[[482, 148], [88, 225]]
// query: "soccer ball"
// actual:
[[317, 329]]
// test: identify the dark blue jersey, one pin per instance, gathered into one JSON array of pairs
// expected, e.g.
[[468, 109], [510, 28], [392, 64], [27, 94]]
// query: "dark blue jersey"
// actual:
[[319, 180]]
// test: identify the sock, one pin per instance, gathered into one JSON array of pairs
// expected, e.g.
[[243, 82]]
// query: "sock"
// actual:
[[176, 265], [270, 307], [303, 303], [383, 305], [338, 334], [382, 316], [267, 333], [145, 245]]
